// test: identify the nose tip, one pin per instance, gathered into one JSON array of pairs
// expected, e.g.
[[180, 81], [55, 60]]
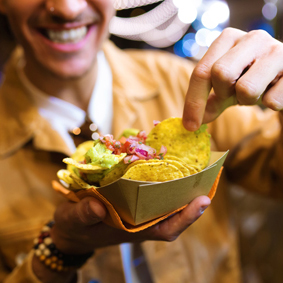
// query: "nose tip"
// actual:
[[67, 9]]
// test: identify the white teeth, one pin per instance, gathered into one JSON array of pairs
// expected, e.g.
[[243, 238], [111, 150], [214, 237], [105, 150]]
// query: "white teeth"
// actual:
[[67, 36]]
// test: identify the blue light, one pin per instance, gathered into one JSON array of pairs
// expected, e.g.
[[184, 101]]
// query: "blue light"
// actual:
[[260, 24], [188, 36], [197, 24], [190, 48], [178, 48]]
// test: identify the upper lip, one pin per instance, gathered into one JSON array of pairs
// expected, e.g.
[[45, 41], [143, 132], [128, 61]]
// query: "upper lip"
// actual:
[[67, 26], [87, 19]]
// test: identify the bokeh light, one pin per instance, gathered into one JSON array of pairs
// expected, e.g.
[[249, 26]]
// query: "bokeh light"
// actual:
[[269, 11], [209, 20], [187, 16], [201, 36], [221, 11], [178, 49], [212, 36], [190, 48]]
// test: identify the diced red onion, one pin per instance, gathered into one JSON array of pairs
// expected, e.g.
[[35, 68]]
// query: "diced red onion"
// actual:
[[141, 153]]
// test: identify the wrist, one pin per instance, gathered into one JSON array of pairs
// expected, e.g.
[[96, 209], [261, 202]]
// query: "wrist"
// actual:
[[68, 243], [46, 250], [47, 275]]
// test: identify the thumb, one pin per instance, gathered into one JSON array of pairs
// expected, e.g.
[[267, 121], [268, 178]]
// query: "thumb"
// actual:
[[216, 105], [87, 212]]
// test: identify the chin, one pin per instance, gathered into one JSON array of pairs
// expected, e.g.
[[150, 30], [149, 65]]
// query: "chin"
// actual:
[[70, 72], [69, 75]]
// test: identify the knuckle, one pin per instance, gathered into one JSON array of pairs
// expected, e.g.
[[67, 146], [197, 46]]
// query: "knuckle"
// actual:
[[258, 34], [80, 214], [159, 235], [269, 44], [276, 48], [247, 92], [201, 73], [228, 32], [170, 238], [195, 104], [221, 73]]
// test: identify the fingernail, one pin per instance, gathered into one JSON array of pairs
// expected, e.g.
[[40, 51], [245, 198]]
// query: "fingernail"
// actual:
[[202, 209]]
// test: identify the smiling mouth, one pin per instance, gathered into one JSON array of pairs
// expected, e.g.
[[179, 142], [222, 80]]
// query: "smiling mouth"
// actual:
[[65, 36]]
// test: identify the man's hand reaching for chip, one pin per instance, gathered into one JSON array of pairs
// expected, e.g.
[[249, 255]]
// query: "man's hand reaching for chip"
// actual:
[[79, 228], [241, 68]]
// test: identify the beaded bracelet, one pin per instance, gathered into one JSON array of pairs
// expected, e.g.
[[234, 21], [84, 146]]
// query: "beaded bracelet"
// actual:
[[46, 251]]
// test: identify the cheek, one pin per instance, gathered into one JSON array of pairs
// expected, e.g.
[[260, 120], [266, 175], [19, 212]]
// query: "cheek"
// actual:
[[104, 7], [18, 14], [109, 7], [21, 8]]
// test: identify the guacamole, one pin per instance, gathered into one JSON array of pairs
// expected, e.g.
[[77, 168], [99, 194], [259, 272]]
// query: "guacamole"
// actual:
[[100, 155]]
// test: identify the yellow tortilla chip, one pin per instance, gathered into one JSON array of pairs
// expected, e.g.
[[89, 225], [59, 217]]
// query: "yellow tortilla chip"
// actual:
[[192, 168], [67, 180], [81, 150], [140, 161], [78, 155], [80, 182], [178, 164], [85, 168], [113, 174], [159, 171], [65, 176], [90, 168], [191, 147]]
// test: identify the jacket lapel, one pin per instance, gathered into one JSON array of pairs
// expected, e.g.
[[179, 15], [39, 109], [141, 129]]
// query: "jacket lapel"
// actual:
[[130, 87], [20, 121]]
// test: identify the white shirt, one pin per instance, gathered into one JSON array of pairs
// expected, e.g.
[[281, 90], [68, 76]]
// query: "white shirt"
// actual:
[[64, 116]]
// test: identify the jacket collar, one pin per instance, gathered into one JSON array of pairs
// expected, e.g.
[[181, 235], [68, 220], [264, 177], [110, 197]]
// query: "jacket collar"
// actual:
[[20, 121]]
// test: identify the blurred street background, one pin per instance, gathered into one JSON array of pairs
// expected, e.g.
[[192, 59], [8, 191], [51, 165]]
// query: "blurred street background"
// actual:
[[187, 28]]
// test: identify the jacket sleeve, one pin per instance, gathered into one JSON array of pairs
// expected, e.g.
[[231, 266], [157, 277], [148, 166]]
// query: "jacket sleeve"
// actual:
[[255, 140], [21, 274]]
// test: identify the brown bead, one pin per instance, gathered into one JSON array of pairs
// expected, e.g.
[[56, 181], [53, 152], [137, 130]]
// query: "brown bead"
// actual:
[[54, 258], [42, 257], [48, 261], [59, 267], [53, 265]]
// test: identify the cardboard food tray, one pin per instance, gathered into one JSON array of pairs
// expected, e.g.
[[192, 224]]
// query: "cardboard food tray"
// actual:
[[139, 204]]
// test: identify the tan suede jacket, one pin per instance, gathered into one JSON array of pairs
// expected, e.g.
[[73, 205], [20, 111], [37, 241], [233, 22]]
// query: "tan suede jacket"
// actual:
[[147, 86]]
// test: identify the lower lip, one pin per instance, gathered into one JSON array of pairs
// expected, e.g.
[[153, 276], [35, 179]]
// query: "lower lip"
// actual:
[[69, 47]]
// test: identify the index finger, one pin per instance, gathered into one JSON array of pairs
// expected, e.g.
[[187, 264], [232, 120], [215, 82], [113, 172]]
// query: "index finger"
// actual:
[[200, 82], [170, 228]]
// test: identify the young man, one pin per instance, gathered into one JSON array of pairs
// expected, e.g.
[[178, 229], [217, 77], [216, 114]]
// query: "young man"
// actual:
[[65, 68]]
